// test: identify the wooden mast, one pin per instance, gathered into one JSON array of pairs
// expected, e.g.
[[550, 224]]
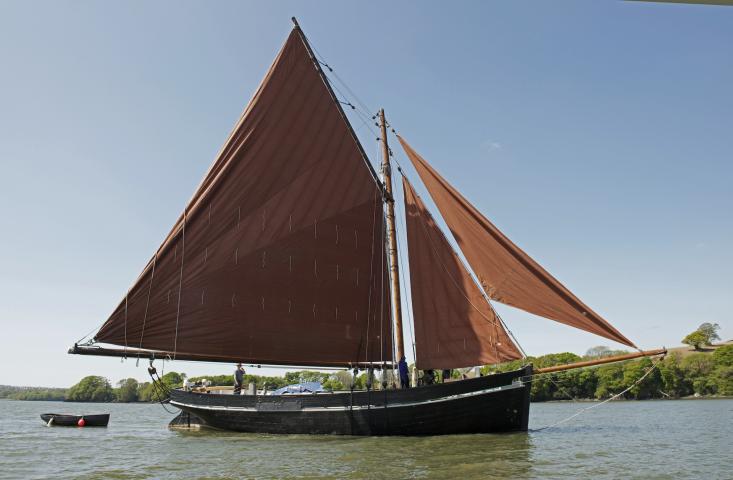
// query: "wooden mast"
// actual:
[[394, 272]]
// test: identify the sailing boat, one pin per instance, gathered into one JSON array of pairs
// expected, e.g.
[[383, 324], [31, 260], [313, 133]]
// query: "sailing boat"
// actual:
[[287, 255]]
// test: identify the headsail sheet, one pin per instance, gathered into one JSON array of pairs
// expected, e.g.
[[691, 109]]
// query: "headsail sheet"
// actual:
[[454, 324], [507, 274], [279, 256]]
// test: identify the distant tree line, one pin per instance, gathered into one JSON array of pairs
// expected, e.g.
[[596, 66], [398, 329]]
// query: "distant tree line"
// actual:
[[675, 376], [99, 389], [32, 393], [697, 373]]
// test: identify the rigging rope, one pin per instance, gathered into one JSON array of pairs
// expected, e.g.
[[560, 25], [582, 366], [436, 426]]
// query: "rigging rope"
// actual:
[[128, 294], [147, 302], [385, 229], [583, 410], [381, 295], [506, 328], [180, 284], [160, 389], [371, 272], [313, 54], [91, 331], [408, 298], [321, 60]]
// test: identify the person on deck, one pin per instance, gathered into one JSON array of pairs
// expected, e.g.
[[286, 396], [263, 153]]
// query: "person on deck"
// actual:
[[238, 379], [428, 377], [404, 373], [446, 374]]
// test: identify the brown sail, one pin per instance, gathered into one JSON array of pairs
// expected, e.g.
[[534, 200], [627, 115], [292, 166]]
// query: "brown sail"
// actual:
[[279, 256], [454, 324], [507, 274]]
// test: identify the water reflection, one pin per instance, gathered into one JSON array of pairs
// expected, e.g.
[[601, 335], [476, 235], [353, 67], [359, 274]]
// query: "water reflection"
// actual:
[[464, 456]]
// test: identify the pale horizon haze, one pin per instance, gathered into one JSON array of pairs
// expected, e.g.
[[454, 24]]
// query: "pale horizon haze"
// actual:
[[598, 136]]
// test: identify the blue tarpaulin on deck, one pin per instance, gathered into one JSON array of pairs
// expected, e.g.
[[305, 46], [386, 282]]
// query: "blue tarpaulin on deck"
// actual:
[[303, 387]]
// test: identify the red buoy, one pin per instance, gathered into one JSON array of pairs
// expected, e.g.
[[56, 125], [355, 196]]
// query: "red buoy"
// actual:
[[81, 422]]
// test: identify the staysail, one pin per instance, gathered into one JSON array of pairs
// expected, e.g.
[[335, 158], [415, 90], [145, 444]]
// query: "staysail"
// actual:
[[507, 274], [454, 324], [279, 256]]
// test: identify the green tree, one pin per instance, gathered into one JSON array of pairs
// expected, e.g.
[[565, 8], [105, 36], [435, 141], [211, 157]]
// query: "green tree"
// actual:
[[126, 391], [610, 380], [360, 381], [91, 389], [698, 368], [173, 379], [723, 356], [674, 381], [696, 339], [649, 387], [698, 364], [542, 389], [340, 380], [579, 383], [334, 384], [145, 392], [553, 359], [710, 330], [722, 378], [344, 377]]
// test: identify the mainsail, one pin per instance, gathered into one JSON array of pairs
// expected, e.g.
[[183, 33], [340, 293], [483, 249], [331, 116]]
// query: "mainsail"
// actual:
[[279, 256], [507, 274], [454, 324]]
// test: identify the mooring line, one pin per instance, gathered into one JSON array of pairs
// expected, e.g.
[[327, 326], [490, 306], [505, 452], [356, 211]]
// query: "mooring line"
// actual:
[[583, 410]]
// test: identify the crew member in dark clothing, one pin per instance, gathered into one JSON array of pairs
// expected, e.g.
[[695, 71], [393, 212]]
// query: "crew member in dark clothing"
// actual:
[[446, 374], [404, 373], [428, 377], [238, 379]]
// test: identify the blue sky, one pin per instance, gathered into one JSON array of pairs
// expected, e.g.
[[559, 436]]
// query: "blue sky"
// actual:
[[596, 135]]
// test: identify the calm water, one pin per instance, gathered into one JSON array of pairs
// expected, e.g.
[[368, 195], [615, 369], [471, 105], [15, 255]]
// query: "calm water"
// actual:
[[653, 439]]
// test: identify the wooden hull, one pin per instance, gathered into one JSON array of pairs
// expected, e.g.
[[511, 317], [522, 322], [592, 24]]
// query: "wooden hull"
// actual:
[[62, 420], [495, 403]]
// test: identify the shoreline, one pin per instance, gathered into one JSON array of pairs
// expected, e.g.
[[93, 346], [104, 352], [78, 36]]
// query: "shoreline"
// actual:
[[575, 400], [686, 398]]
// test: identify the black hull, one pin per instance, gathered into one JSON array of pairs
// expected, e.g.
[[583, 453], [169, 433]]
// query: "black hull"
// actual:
[[495, 403], [61, 420]]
